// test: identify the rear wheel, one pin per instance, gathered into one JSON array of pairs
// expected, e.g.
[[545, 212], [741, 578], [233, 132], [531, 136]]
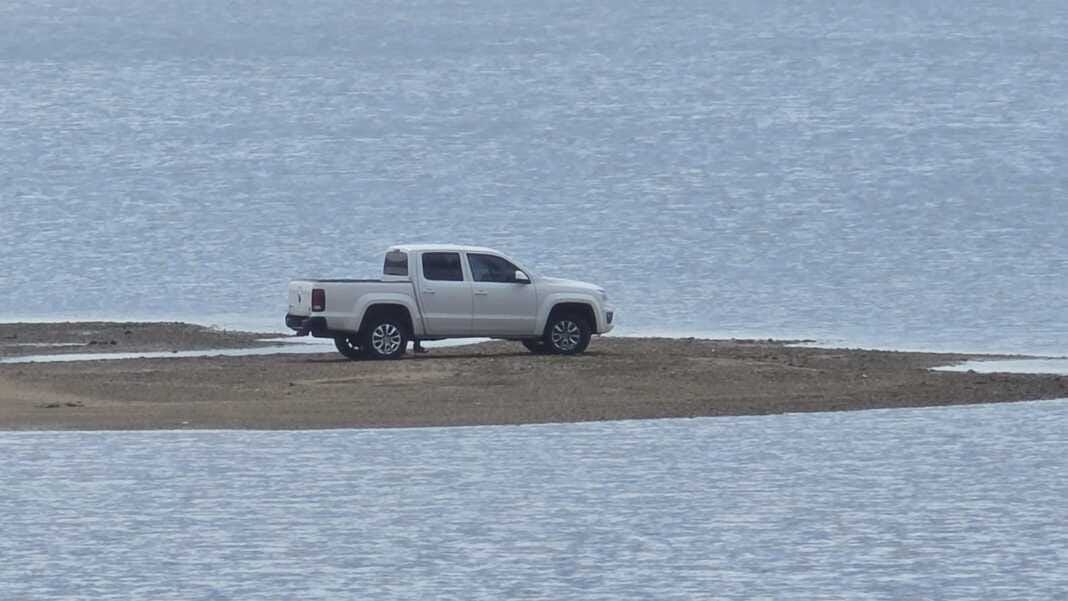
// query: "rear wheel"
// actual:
[[567, 334], [349, 346], [384, 338]]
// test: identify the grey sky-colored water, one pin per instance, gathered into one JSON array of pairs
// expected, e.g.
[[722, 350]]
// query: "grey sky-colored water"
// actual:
[[950, 503], [873, 173]]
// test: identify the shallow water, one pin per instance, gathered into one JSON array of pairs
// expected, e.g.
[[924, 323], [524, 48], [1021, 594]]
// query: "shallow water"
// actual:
[[288, 346], [1019, 366], [948, 503], [861, 173], [243, 352]]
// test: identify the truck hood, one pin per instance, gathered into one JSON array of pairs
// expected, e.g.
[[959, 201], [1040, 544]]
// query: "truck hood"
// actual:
[[572, 285]]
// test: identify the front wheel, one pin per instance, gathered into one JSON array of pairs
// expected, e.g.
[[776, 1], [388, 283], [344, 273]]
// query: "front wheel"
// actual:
[[384, 338], [349, 346], [567, 334]]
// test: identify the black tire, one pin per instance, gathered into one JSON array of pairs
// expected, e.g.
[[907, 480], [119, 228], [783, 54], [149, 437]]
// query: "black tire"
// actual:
[[349, 346], [384, 338], [567, 334], [536, 346]]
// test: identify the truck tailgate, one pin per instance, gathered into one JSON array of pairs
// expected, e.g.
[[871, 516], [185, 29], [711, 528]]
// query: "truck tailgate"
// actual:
[[300, 292]]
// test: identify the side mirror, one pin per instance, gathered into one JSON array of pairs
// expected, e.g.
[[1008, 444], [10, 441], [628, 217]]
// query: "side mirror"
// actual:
[[521, 278]]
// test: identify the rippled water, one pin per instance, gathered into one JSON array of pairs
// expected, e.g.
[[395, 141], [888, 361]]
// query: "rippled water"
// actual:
[[955, 503], [888, 174]]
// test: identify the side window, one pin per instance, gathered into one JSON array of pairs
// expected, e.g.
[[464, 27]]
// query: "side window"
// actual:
[[442, 267], [396, 263], [488, 268]]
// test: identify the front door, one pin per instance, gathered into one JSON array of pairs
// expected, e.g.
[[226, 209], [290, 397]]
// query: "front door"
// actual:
[[503, 306], [444, 295]]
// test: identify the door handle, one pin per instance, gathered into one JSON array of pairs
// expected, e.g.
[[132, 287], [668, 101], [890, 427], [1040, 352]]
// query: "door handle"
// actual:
[[428, 291], [481, 293]]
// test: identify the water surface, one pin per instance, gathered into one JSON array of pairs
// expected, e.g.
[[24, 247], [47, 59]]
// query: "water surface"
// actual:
[[865, 173]]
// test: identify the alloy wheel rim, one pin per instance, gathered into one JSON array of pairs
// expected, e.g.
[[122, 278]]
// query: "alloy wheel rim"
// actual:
[[566, 335], [386, 339]]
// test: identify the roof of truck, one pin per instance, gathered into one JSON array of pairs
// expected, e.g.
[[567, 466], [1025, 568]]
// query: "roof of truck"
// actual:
[[442, 247]]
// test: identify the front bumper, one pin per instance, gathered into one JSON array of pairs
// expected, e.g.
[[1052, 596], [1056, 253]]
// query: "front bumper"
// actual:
[[609, 318]]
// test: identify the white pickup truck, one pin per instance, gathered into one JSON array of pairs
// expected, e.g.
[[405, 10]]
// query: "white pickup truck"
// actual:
[[445, 291]]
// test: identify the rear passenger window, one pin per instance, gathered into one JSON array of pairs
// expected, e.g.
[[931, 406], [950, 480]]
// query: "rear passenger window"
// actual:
[[442, 267], [396, 263]]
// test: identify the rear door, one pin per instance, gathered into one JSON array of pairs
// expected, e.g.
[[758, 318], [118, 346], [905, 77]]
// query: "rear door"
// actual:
[[444, 294], [503, 306]]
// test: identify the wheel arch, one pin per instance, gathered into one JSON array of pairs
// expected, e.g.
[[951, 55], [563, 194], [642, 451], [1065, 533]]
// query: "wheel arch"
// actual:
[[397, 304], [580, 307], [380, 309]]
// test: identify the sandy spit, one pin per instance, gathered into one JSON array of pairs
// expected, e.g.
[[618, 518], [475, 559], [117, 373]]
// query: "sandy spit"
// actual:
[[490, 383]]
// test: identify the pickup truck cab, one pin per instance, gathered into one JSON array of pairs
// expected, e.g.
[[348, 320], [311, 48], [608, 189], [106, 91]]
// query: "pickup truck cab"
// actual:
[[434, 292]]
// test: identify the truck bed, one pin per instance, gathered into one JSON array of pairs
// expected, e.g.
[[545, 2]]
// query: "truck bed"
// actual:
[[344, 281], [343, 299]]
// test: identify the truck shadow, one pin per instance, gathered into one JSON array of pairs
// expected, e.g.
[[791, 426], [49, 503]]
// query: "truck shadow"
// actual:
[[454, 357]]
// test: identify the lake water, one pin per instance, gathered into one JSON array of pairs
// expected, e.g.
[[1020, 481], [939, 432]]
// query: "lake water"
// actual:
[[862, 173], [951, 503]]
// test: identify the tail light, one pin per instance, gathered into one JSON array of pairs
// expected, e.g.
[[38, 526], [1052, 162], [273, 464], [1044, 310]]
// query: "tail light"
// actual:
[[318, 299]]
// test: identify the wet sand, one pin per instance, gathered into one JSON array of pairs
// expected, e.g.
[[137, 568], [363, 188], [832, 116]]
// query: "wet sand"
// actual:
[[489, 383]]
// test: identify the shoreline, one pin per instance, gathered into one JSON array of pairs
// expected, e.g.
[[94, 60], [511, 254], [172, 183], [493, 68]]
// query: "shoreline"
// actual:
[[272, 328], [483, 383]]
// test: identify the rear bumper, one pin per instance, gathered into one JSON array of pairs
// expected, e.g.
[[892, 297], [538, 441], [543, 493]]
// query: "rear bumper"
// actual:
[[304, 325]]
